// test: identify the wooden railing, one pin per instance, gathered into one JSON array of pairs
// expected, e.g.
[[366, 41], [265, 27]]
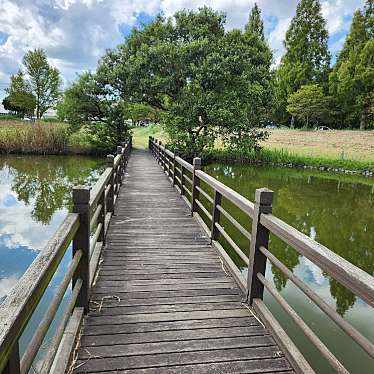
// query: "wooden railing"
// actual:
[[92, 210], [256, 254]]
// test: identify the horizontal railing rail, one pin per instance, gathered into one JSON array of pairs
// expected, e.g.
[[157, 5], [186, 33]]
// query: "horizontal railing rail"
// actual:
[[92, 209], [257, 253]]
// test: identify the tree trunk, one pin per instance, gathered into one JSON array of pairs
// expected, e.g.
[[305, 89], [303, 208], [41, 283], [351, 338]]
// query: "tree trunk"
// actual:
[[363, 121], [292, 122]]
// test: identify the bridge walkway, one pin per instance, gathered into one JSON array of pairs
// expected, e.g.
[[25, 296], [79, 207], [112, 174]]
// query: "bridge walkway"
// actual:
[[163, 301]]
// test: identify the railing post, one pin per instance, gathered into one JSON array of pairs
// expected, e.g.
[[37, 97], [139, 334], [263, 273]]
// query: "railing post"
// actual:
[[150, 144], [120, 167], [165, 160], [110, 197], [260, 238], [215, 216], [169, 166], [174, 162], [159, 152], [81, 242], [182, 180], [101, 218], [195, 183]]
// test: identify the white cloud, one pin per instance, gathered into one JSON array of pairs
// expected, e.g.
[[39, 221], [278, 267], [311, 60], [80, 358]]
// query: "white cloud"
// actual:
[[16, 227], [75, 33], [6, 284]]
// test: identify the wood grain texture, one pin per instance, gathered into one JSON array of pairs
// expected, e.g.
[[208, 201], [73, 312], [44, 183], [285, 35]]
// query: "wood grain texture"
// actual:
[[162, 301]]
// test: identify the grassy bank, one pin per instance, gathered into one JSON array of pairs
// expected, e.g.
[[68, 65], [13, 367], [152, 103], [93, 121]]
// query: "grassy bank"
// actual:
[[331, 150], [334, 144], [41, 138], [140, 135], [289, 159]]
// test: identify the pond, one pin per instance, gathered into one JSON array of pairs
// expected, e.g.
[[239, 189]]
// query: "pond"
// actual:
[[35, 196], [337, 211]]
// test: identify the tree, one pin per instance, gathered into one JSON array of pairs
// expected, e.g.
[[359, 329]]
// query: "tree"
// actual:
[[352, 78], [309, 105], [19, 99], [44, 80], [88, 103], [140, 112], [205, 81], [307, 58], [255, 24]]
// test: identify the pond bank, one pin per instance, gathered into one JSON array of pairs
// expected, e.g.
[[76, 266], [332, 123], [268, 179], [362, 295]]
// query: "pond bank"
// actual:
[[283, 158]]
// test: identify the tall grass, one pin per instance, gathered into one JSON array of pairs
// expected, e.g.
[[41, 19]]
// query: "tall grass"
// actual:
[[33, 138], [286, 158]]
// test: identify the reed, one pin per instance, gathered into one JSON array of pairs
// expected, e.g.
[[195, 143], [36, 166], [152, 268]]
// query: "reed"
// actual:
[[33, 138]]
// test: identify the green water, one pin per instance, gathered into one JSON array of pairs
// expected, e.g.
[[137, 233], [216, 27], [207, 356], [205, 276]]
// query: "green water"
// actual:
[[337, 211], [35, 196]]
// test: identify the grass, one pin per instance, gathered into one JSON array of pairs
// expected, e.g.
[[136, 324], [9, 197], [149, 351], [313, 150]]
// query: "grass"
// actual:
[[140, 135], [35, 138], [335, 144], [336, 149], [286, 158], [41, 138]]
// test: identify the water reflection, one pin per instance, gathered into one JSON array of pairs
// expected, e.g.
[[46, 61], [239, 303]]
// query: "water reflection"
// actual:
[[335, 210], [35, 195]]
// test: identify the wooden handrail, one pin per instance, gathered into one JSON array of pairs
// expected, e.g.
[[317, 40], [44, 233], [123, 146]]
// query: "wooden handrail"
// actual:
[[89, 213], [358, 281], [263, 223]]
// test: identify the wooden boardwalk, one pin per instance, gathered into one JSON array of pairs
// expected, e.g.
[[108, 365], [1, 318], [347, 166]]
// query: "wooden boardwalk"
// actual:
[[162, 301]]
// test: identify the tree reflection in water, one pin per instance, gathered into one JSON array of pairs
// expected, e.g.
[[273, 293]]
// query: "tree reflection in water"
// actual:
[[336, 210], [45, 182]]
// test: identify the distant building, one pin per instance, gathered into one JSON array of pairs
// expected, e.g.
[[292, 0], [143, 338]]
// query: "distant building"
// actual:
[[50, 113], [2, 110]]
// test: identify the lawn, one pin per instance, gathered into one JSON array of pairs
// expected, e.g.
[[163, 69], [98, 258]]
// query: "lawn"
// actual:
[[141, 135], [334, 144]]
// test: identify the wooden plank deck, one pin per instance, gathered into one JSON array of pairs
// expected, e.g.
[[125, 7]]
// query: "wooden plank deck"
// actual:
[[162, 302]]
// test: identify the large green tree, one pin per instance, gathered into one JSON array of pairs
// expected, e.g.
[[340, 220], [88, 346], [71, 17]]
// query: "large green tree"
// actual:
[[205, 80], [88, 103], [352, 78], [307, 57], [44, 80]]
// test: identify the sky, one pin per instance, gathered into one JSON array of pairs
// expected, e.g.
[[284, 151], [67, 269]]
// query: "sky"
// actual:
[[76, 33]]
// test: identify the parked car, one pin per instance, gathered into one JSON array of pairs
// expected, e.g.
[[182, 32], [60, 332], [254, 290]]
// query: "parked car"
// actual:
[[271, 127], [322, 128]]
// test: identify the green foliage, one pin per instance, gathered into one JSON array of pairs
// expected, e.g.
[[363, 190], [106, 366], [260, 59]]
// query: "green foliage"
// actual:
[[309, 105], [87, 103], [307, 58], [352, 79], [20, 99], [139, 112], [204, 80], [44, 80], [255, 24], [284, 157]]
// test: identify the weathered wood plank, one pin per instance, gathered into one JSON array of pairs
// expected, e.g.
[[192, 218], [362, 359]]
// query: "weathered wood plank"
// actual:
[[128, 328], [179, 358], [163, 301], [176, 346]]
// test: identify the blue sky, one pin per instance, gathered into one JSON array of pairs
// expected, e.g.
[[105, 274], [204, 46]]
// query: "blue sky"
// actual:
[[75, 33]]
